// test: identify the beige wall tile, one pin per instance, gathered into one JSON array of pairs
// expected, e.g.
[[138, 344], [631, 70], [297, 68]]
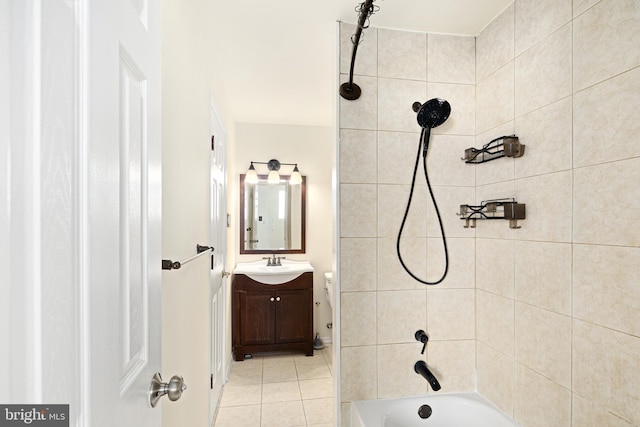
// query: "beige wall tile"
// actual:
[[548, 204], [543, 343], [605, 286], [451, 314], [367, 54], [605, 123], [495, 265], [540, 402], [395, 98], [606, 40], [357, 381], [580, 6], [547, 135], [358, 210], [391, 275], [402, 380], [543, 275], [496, 377], [495, 321], [536, 19], [358, 266], [451, 59], [598, 190], [592, 414], [358, 321], [455, 374], [444, 164], [461, 97], [495, 99], [358, 156], [495, 45], [605, 369], [400, 314], [392, 204], [543, 73], [461, 262], [397, 153], [363, 112], [402, 54]]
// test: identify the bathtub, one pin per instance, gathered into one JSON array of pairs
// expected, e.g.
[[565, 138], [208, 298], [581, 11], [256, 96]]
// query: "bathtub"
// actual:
[[447, 410]]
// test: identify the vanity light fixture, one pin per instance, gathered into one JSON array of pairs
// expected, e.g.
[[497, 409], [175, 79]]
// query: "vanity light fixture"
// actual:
[[273, 166], [252, 176]]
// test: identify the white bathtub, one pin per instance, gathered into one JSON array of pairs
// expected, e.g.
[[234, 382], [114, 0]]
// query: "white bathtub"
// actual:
[[448, 410]]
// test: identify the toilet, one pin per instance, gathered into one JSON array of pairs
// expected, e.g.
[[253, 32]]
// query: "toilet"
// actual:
[[329, 288]]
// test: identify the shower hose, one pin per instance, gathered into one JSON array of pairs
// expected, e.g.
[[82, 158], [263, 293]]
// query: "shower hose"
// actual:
[[423, 147]]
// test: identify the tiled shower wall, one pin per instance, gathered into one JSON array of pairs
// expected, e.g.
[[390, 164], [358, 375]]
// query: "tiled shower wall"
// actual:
[[546, 316], [381, 306], [558, 301]]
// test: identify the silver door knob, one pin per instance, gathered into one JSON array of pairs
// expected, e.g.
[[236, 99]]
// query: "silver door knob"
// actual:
[[173, 389]]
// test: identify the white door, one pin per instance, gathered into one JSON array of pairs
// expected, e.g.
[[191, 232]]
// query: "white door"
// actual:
[[218, 239], [81, 206], [124, 197]]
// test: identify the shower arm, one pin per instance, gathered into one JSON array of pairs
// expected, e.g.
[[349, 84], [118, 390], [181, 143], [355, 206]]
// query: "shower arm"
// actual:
[[350, 90]]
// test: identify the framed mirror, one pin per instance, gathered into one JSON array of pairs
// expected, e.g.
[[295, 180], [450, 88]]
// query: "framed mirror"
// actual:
[[272, 216]]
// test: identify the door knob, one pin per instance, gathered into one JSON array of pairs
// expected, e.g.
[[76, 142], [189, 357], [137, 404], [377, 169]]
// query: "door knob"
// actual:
[[173, 389]]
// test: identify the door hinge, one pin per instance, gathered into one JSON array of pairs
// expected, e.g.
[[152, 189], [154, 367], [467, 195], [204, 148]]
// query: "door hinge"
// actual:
[[211, 381], [213, 143]]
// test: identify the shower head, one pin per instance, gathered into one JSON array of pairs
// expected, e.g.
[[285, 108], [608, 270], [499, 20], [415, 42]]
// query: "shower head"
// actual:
[[432, 113]]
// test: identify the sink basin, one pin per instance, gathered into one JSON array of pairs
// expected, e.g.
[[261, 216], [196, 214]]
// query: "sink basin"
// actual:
[[273, 275]]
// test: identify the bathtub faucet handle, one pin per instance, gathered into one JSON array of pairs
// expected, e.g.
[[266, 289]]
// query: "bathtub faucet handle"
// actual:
[[422, 337]]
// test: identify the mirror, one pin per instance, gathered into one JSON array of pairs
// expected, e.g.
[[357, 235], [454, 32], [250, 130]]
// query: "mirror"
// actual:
[[272, 216]]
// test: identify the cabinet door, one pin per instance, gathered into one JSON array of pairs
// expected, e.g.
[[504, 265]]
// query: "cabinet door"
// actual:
[[257, 317], [293, 315]]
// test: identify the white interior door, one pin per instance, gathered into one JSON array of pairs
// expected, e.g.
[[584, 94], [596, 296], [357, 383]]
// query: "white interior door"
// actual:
[[218, 239], [80, 207], [125, 210]]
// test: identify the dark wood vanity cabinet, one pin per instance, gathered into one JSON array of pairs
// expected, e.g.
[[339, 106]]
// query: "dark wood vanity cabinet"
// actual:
[[272, 317]]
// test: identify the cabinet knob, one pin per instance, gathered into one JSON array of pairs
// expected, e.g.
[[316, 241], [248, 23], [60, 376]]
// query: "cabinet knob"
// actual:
[[277, 298], [272, 299]]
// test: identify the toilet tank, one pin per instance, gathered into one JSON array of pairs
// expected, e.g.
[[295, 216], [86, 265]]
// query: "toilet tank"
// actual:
[[329, 288]]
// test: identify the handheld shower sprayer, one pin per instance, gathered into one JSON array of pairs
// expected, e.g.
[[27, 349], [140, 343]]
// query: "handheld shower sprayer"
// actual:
[[431, 114]]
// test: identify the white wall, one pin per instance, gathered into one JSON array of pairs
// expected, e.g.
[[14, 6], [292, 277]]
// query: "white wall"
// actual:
[[188, 72], [311, 147]]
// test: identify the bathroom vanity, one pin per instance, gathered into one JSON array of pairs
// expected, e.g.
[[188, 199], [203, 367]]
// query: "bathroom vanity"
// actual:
[[272, 312]]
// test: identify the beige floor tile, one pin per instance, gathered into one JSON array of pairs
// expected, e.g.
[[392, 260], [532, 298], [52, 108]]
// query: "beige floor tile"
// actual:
[[316, 389], [313, 371], [283, 414], [280, 392], [246, 416], [238, 395], [318, 410], [279, 373]]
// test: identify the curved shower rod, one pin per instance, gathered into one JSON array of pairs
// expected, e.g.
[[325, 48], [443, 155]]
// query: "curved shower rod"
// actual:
[[350, 90]]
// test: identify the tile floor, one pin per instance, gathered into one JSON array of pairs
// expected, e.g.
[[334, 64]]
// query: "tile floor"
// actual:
[[279, 390]]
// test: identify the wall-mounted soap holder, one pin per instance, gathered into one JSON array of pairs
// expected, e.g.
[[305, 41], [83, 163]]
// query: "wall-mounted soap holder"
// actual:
[[507, 209], [504, 146]]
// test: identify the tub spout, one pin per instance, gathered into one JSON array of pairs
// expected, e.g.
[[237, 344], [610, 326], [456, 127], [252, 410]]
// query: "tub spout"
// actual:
[[421, 368]]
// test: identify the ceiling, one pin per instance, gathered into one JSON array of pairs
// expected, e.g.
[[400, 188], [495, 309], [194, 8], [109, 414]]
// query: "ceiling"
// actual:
[[276, 60]]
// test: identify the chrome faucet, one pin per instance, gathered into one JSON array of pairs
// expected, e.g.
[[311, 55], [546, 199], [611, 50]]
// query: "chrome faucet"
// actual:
[[421, 368], [273, 260]]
